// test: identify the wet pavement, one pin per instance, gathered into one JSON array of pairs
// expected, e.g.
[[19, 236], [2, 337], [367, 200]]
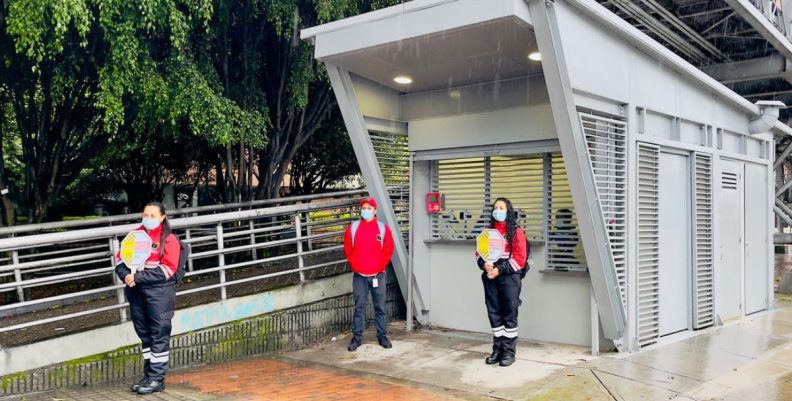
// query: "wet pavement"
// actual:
[[749, 360]]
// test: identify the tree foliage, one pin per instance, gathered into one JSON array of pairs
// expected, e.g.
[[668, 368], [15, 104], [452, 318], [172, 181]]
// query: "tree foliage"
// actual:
[[85, 83], [80, 73], [326, 160]]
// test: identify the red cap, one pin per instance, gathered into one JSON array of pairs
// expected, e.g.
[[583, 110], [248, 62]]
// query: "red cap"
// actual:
[[370, 201]]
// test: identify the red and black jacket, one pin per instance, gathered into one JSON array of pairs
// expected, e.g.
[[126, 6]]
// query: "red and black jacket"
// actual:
[[156, 271], [513, 259]]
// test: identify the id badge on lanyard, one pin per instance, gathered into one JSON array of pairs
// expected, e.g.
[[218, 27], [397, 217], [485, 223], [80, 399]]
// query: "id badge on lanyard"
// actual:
[[375, 283]]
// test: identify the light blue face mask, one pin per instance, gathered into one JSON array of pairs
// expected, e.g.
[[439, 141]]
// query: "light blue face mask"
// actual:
[[366, 214], [151, 224], [499, 215]]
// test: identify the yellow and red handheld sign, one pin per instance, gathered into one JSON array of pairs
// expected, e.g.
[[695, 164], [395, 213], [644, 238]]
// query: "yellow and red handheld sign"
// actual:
[[136, 249], [490, 245]]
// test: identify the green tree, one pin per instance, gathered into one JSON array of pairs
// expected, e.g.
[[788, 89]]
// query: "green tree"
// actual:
[[264, 66], [326, 160], [80, 73]]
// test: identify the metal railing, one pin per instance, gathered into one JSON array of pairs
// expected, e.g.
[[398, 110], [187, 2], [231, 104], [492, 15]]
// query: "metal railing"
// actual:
[[773, 11], [57, 277], [29, 229]]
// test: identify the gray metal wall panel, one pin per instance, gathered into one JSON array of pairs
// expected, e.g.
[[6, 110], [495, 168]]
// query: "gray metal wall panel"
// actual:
[[675, 242], [420, 224], [376, 100], [497, 95], [508, 126], [731, 242], [545, 298], [756, 238]]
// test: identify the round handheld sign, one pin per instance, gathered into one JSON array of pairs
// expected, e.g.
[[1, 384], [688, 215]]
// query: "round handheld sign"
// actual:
[[490, 245], [136, 249]]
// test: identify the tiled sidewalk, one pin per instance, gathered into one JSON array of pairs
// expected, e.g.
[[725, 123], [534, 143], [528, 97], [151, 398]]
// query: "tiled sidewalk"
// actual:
[[261, 379]]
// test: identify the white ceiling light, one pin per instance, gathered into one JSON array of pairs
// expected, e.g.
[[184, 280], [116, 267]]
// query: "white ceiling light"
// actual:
[[535, 56], [403, 80]]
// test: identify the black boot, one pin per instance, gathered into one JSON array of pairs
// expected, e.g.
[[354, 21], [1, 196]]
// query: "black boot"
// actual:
[[494, 358], [354, 344], [137, 385], [152, 386], [384, 342], [507, 360]]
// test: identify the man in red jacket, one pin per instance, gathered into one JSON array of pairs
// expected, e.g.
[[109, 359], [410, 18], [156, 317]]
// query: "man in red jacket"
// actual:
[[368, 245]]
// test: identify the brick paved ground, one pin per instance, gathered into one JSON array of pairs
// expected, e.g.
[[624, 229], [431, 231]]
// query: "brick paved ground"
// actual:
[[262, 379], [114, 391], [257, 379]]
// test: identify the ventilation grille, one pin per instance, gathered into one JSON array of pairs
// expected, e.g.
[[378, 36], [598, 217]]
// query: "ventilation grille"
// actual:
[[729, 180], [470, 186], [564, 249], [394, 160], [648, 245], [606, 143], [704, 289]]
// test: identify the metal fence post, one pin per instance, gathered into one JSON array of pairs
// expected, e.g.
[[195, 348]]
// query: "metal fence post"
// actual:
[[308, 229], [119, 292], [253, 241], [300, 261], [189, 260], [221, 260], [18, 276]]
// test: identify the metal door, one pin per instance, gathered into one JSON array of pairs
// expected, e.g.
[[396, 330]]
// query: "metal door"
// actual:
[[730, 220], [756, 236], [675, 245]]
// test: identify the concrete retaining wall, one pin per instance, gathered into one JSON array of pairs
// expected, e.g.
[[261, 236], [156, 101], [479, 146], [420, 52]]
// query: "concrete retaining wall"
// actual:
[[201, 335]]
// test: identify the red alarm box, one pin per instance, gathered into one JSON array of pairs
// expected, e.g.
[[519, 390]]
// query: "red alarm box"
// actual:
[[435, 202]]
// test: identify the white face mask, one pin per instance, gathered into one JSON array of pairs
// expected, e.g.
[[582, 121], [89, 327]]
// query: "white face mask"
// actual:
[[151, 224]]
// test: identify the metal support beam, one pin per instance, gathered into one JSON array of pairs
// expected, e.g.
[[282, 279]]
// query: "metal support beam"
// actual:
[[581, 179], [372, 174], [780, 213], [691, 33], [750, 70], [784, 188], [762, 25], [678, 42], [782, 158], [784, 208]]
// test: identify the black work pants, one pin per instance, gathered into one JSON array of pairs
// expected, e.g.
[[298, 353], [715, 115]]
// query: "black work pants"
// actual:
[[502, 297], [361, 286], [152, 311]]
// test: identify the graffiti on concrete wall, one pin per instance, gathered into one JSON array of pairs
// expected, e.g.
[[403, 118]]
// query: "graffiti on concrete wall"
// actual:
[[212, 315]]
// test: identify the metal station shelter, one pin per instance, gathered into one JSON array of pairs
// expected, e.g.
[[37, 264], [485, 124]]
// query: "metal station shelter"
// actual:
[[641, 182]]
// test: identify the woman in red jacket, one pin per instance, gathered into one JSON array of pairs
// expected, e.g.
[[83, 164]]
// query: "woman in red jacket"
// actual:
[[151, 291], [503, 283]]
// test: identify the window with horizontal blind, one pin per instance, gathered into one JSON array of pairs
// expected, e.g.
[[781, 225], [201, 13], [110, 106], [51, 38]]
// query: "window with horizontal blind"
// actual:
[[537, 186]]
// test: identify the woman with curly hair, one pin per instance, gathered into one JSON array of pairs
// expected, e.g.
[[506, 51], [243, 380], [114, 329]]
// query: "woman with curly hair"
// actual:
[[503, 283]]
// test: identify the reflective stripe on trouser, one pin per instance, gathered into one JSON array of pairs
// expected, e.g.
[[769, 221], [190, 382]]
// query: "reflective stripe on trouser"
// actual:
[[361, 286], [152, 311], [502, 297]]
